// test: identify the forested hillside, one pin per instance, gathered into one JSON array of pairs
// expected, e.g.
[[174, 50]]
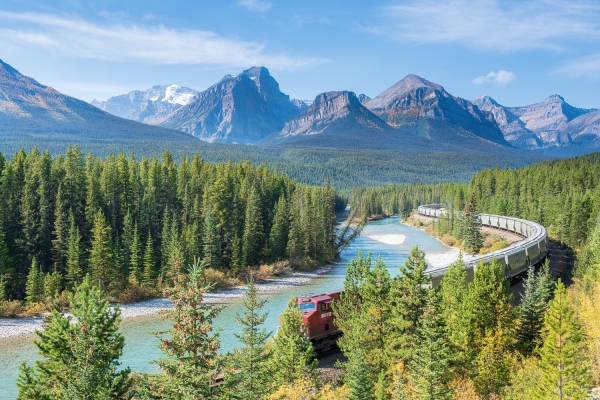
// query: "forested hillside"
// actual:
[[479, 345], [130, 222], [345, 168]]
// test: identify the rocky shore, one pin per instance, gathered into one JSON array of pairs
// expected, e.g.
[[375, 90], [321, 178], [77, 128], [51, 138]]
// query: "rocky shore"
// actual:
[[12, 327]]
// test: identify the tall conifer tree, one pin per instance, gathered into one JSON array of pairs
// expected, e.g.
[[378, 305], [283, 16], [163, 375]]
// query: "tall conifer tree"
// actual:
[[191, 363], [149, 264], [74, 255], [250, 379], [102, 257], [253, 230], [563, 361], [80, 357], [292, 353]]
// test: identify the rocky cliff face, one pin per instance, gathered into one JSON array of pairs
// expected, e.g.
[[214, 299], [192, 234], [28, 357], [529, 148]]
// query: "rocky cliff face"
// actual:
[[238, 109], [150, 106], [331, 107], [425, 108], [28, 107], [551, 123]]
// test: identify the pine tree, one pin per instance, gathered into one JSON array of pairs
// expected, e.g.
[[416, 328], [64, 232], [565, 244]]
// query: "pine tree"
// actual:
[[472, 235], [191, 363], [295, 244], [149, 264], [52, 287], [253, 231], [61, 229], [34, 288], [534, 303], [74, 256], [410, 294], [429, 369], [135, 257], [566, 372], [453, 292], [292, 353], [6, 264], [101, 254], [358, 380], [210, 241], [80, 357], [365, 314], [250, 379], [279, 231]]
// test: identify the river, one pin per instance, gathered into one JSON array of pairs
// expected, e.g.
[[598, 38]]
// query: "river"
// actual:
[[387, 237]]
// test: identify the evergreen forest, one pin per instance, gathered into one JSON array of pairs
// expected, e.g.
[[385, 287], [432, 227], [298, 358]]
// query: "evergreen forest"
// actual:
[[133, 225], [402, 339]]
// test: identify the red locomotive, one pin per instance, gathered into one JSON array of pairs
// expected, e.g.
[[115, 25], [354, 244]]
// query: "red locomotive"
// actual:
[[318, 317]]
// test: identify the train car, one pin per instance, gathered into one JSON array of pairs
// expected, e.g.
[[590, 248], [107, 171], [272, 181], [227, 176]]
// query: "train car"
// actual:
[[318, 317], [515, 259]]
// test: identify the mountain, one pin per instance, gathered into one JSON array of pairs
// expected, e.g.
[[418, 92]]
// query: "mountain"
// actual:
[[363, 98], [150, 106], [29, 108], [331, 115], [551, 123], [424, 108], [301, 104], [238, 109]]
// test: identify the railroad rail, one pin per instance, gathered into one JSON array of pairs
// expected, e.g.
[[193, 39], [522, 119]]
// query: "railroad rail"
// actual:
[[515, 259]]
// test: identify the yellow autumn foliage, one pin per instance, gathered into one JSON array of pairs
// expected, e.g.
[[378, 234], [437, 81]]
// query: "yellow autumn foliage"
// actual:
[[588, 309], [304, 389]]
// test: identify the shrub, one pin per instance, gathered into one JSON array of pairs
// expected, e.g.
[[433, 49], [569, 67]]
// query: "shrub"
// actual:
[[134, 292], [216, 278], [448, 240], [34, 310], [11, 308], [499, 245]]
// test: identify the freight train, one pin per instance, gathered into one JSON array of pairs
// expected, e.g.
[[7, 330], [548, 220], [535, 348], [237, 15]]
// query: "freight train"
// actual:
[[516, 259]]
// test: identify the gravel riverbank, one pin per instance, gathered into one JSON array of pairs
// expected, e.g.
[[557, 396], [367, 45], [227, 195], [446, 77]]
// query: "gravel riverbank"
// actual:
[[12, 327]]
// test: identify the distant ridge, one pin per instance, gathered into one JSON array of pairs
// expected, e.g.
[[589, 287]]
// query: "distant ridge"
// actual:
[[150, 106], [552, 123], [28, 107]]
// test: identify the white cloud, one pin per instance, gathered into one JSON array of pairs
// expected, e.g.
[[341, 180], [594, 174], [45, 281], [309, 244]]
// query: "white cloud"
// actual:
[[499, 78], [255, 5], [154, 44], [586, 66], [494, 25]]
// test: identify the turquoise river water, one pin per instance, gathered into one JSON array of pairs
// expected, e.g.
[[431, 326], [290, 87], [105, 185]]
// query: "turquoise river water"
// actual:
[[383, 237]]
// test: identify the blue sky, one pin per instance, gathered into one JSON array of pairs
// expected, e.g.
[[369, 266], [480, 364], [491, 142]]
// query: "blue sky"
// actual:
[[518, 52]]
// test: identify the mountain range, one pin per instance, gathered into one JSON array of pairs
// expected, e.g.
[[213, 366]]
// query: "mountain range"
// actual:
[[553, 123], [29, 108], [151, 106], [250, 108]]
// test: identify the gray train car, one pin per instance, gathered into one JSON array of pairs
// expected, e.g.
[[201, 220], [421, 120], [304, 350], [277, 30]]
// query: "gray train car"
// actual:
[[515, 259]]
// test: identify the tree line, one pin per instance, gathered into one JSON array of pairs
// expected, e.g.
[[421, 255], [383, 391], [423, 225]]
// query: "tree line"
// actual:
[[130, 222]]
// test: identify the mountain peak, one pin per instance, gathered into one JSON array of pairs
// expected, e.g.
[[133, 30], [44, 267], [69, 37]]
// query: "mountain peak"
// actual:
[[8, 68], [408, 84], [484, 100], [555, 97], [413, 81]]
